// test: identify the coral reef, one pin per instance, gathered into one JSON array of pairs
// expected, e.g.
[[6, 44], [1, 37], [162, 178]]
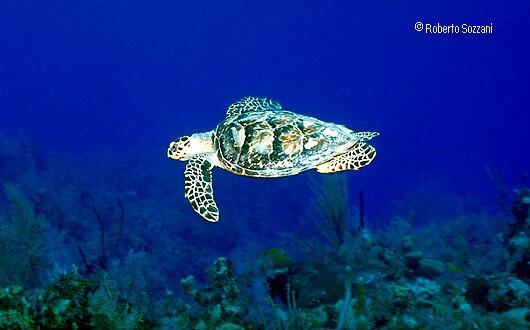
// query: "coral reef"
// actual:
[[139, 264], [22, 250], [222, 302]]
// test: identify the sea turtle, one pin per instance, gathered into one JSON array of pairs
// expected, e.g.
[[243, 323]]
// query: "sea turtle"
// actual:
[[258, 138]]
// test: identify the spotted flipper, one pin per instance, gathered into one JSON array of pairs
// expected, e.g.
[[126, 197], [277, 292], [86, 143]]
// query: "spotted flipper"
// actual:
[[250, 104], [360, 155], [366, 136], [198, 187]]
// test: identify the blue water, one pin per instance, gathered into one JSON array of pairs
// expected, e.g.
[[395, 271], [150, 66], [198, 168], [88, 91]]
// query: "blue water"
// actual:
[[95, 81], [92, 75]]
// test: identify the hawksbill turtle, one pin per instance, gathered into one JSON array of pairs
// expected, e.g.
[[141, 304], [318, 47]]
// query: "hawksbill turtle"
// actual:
[[258, 138]]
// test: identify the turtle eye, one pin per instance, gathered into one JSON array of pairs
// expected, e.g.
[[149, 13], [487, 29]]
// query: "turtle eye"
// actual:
[[183, 141]]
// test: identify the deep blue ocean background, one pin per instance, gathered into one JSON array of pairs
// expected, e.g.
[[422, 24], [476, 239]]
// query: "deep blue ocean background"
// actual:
[[97, 90]]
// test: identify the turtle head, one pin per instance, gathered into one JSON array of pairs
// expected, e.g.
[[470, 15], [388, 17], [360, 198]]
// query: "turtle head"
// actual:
[[180, 148], [187, 146]]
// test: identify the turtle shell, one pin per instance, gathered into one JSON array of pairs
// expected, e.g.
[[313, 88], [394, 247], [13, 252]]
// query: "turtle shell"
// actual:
[[277, 143]]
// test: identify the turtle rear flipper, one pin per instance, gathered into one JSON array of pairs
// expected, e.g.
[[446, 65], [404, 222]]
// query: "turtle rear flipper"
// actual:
[[365, 136], [198, 187], [360, 155]]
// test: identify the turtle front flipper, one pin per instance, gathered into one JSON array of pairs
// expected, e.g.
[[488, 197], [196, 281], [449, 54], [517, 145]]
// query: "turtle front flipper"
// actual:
[[198, 187], [360, 155], [251, 104]]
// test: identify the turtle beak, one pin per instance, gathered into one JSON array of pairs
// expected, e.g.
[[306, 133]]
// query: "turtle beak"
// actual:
[[171, 151]]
